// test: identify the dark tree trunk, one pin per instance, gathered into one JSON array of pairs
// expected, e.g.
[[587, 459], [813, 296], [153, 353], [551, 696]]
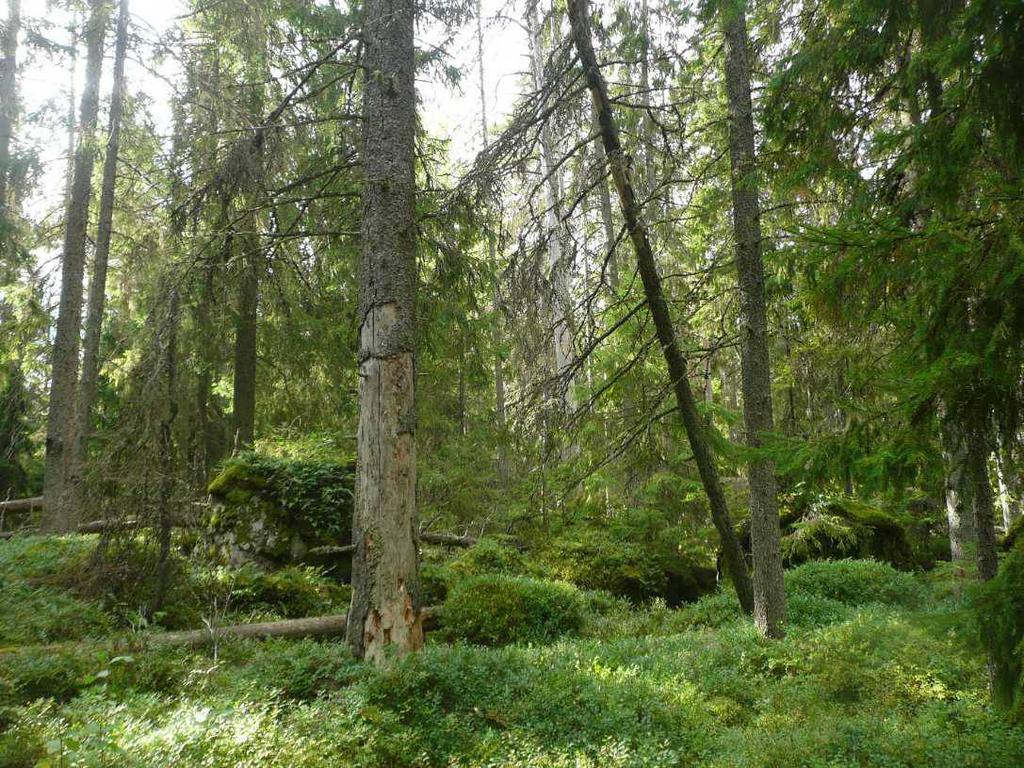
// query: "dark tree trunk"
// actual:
[[98, 282], [610, 268], [769, 593], [244, 400], [674, 359], [58, 514], [983, 505], [385, 614], [165, 518]]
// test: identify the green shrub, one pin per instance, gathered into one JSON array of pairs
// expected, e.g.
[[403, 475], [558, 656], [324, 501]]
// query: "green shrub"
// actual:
[[999, 606], [434, 580], [291, 592], [499, 610], [44, 614], [854, 582], [487, 556]]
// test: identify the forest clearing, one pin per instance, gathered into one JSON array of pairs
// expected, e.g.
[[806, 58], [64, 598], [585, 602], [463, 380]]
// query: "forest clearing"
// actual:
[[482, 383]]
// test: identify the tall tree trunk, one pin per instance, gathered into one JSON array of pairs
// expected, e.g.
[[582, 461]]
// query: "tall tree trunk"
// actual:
[[983, 503], [58, 514], [674, 359], [492, 260], [958, 491], [558, 263], [101, 256], [8, 113], [244, 395], [166, 442], [385, 613], [769, 594]]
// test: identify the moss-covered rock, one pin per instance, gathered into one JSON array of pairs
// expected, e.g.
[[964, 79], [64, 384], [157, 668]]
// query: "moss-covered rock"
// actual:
[[272, 511], [833, 529], [627, 560]]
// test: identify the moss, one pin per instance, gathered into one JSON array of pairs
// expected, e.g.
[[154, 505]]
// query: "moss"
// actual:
[[1013, 536], [262, 505]]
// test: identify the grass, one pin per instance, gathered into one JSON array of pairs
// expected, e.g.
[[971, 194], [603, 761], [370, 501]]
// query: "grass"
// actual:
[[890, 682]]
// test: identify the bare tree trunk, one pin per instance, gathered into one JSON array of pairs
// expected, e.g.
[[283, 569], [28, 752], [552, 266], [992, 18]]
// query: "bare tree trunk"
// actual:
[[244, 399], [98, 282], [58, 514], [492, 260], [674, 359], [769, 593], [561, 295], [385, 613], [8, 112]]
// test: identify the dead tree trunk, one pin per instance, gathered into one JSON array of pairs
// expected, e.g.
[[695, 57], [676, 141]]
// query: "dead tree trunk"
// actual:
[[769, 593], [385, 614], [98, 281], [492, 260], [674, 359], [58, 514], [558, 263]]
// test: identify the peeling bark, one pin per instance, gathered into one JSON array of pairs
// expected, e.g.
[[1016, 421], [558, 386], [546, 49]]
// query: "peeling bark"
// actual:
[[385, 614]]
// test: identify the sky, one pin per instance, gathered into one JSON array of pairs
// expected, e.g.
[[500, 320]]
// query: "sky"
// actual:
[[45, 82]]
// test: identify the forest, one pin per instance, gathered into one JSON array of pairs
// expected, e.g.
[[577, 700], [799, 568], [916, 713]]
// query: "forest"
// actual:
[[519, 383]]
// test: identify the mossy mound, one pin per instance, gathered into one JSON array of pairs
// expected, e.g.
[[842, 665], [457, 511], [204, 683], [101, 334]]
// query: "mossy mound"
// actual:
[[629, 561], [835, 529], [273, 510]]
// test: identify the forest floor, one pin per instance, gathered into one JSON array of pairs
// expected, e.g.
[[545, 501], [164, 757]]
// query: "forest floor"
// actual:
[[879, 668]]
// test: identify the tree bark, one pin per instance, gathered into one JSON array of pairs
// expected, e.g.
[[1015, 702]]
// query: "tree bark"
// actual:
[[165, 440], [58, 514], [769, 593], [611, 263], [561, 295], [959, 504], [983, 503], [98, 282], [385, 614], [246, 328], [674, 359], [492, 260], [8, 113]]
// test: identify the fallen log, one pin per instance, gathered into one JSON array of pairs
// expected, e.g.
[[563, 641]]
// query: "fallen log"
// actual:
[[22, 505], [294, 629], [447, 539]]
